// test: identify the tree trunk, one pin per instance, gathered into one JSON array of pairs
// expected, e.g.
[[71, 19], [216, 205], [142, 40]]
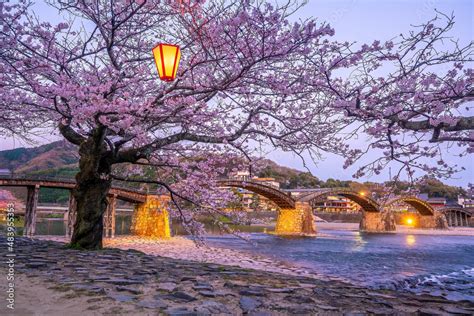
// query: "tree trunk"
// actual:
[[92, 186]]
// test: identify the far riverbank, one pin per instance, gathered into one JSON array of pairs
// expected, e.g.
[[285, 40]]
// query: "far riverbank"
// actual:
[[402, 229]]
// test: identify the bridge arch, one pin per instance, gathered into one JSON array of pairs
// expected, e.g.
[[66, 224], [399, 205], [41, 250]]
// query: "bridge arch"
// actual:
[[423, 207], [457, 216], [368, 204], [280, 198]]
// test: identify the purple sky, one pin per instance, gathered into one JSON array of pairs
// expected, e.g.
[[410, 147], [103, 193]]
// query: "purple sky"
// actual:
[[362, 21]]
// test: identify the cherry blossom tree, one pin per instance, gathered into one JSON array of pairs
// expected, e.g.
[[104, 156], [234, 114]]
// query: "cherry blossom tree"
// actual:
[[412, 96], [248, 77], [241, 82]]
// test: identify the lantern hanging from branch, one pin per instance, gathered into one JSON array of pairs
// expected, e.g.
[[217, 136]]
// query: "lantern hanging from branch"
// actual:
[[167, 57]]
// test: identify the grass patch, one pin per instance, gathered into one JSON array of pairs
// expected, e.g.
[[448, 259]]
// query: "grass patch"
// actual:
[[73, 246]]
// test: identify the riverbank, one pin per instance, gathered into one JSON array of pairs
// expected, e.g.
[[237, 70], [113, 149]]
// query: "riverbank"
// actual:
[[182, 248], [54, 280], [185, 249]]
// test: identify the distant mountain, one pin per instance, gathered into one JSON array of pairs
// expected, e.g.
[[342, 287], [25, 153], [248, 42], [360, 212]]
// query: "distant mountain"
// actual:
[[61, 159], [56, 155]]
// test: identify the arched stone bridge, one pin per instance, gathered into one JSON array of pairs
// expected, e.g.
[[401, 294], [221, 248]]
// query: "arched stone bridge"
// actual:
[[457, 216], [294, 215]]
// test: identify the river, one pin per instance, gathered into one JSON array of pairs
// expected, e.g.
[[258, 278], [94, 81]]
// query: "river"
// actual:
[[438, 265]]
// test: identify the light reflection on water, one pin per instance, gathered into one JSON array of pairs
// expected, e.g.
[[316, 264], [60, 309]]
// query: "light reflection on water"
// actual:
[[410, 240], [359, 242], [57, 227]]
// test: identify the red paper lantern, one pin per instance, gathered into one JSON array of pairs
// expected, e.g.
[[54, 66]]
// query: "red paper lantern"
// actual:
[[167, 57]]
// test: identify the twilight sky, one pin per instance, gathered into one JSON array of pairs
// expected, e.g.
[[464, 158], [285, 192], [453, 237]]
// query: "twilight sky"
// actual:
[[353, 20]]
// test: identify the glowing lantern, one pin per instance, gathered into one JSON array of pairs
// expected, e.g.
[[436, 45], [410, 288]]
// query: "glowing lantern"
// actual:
[[167, 58], [409, 221]]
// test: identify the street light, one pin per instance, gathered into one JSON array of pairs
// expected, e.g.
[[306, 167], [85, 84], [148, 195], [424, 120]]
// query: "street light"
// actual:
[[167, 57]]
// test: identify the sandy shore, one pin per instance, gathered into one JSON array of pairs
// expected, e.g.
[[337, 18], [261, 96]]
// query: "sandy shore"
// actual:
[[36, 297], [185, 249]]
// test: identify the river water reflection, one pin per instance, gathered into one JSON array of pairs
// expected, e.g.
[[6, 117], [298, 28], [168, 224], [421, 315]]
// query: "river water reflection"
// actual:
[[440, 265], [57, 227]]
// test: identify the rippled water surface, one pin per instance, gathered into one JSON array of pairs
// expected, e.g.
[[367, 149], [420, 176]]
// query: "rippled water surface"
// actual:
[[440, 265]]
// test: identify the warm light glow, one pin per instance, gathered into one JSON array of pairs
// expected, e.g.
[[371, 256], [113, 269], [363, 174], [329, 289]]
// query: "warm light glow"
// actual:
[[410, 240], [167, 57], [409, 221], [151, 219], [362, 193]]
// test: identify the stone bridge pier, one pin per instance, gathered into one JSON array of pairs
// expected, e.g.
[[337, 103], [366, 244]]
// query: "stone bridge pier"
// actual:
[[296, 222], [384, 221], [377, 222], [437, 220], [151, 218]]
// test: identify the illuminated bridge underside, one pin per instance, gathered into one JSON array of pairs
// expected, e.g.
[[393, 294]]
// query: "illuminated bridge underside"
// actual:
[[280, 198], [421, 206], [427, 218], [367, 204], [294, 219]]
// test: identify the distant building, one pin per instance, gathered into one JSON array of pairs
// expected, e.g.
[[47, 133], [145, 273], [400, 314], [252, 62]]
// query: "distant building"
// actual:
[[332, 204], [271, 182], [436, 202], [466, 202], [336, 204], [470, 191], [243, 175]]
